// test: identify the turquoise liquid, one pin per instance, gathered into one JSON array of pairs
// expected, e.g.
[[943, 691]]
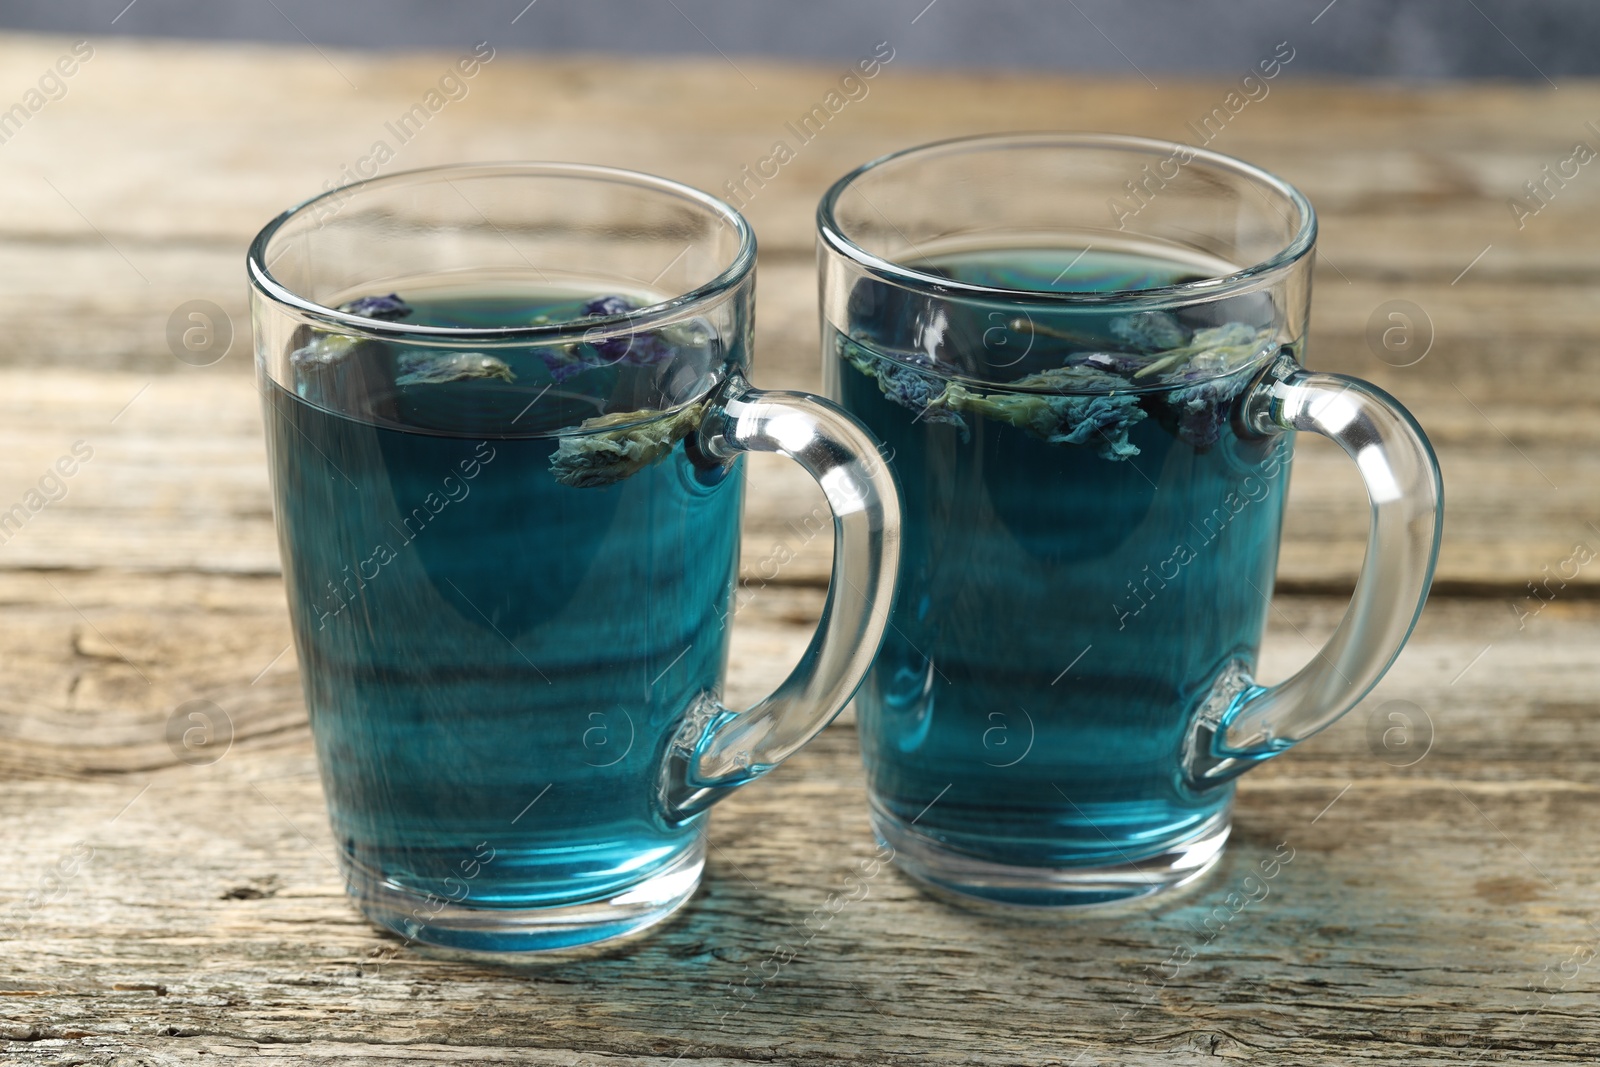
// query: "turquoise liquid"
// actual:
[[494, 661], [1060, 614]]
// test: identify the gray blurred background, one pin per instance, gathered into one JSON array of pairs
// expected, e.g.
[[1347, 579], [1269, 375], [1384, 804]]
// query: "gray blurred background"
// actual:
[[1537, 40]]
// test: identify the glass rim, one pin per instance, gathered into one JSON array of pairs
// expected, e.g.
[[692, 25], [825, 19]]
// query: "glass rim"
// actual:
[[1304, 240], [650, 316]]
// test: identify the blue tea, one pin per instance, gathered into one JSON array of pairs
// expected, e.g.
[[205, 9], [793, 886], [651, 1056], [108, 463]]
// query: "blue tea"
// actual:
[[500, 619], [1087, 549]]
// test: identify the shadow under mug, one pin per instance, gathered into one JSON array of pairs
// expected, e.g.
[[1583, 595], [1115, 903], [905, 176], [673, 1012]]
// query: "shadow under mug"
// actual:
[[1082, 353], [505, 407]]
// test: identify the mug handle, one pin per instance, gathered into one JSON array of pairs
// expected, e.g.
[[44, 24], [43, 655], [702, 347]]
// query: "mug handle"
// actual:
[[1240, 724], [715, 749]]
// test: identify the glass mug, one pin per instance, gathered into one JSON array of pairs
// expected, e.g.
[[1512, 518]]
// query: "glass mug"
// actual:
[[504, 409], [1082, 353]]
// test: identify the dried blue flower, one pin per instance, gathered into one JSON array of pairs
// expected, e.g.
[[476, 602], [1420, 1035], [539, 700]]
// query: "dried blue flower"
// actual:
[[1150, 331], [1207, 378], [598, 456], [1084, 417], [645, 349], [413, 366], [1200, 402], [1083, 406], [1123, 363], [324, 349], [1097, 397], [1198, 413], [561, 363], [1214, 350], [914, 390], [1076, 379], [904, 385], [608, 305], [637, 350], [388, 308], [435, 367]]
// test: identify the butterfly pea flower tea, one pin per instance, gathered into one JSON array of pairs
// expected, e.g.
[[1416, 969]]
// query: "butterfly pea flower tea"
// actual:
[[507, 486], [1091, 417]]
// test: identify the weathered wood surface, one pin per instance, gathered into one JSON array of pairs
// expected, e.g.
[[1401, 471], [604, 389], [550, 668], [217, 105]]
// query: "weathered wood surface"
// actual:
[[136, 192], [1425, 904], [1417, 910]]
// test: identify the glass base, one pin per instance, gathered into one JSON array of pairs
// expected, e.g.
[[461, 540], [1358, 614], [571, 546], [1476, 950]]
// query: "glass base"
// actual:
[[969, 880], [523, 930]]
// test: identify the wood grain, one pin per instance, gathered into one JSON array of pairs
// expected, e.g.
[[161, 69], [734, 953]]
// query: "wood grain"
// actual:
[[1415, 190], [1439, 899], [1421, 901]]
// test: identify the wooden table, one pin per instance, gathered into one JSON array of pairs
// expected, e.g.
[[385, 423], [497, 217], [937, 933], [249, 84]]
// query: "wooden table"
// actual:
[[1440, 906]]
